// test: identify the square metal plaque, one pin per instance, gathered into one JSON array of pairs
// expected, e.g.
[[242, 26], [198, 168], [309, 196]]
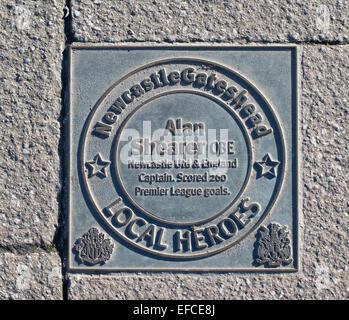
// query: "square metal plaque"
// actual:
[[183, 158]]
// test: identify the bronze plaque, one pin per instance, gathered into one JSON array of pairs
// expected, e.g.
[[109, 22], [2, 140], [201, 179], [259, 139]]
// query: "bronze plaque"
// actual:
[[183, 158]]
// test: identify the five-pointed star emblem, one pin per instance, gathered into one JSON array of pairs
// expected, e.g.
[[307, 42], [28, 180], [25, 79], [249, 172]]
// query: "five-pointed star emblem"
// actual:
[[267, 167], [97, 167]]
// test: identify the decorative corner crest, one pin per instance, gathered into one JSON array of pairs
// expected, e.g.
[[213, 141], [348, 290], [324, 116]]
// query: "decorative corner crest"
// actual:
[[92, 248], [273, 245]]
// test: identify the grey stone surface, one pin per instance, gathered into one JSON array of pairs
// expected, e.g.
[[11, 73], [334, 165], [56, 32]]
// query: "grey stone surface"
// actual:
[[31, 46], [210, 20], [325, 160], [33, 276], [324, 270]]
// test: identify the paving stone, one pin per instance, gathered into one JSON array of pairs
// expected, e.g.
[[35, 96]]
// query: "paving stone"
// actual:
[[325, 160], [210, 20], [31, 45], [34, 276]]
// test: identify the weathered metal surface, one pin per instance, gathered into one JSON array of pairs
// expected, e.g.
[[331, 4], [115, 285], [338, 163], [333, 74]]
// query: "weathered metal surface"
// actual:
[[180, 153]]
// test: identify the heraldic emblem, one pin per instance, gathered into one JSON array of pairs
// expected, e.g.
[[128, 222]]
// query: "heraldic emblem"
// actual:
[[92, 248], [273, 245]]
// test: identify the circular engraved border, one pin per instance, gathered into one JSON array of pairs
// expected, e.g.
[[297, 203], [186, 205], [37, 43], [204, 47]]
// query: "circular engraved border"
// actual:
[[221, 104], [81, 161]]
